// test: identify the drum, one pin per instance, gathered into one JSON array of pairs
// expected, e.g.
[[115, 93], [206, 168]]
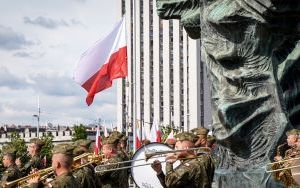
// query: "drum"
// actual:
[[145, 176]]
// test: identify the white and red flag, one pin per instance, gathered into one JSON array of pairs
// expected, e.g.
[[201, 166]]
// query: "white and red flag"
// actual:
[[105, 131], [170, 137], [138, 139], [155, 132], [104, 62], [98, 144]]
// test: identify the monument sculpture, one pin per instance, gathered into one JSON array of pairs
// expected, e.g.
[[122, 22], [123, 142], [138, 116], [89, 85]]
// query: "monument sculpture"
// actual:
[[252, 52]]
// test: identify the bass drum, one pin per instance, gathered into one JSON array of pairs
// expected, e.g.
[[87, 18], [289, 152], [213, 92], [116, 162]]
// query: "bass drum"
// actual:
[[145, 176]]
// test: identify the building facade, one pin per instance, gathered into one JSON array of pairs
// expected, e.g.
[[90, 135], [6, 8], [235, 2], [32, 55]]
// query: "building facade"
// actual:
[[166, 80]]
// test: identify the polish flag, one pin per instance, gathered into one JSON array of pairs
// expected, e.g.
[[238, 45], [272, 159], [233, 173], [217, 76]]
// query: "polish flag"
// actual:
[[155, 132], [98, 144], [104, 62], [170, 136], [105, 132], [138, 139]]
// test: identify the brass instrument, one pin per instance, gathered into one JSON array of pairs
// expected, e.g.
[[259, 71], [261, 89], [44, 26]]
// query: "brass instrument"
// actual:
[[280, 162], [150, 154], [44, 173]]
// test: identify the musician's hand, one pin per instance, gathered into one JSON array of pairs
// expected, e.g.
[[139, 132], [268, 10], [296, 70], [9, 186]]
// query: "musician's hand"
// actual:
[[156, 165], [34, 179], [277, 158], [171, 158]]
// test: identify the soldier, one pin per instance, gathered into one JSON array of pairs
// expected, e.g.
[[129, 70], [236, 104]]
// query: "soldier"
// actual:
[[194, 171], [201, 133], [285, 176], [112, 179], [83, 144], [84, 175], [122, 144], [62, 161], [11, 172], [35, 162]]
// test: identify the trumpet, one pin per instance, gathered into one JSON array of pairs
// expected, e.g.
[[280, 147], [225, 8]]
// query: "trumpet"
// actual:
[[44, 173], [268, 170]]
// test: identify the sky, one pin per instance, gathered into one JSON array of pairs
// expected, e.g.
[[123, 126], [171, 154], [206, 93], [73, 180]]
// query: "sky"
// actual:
[[40, 44]]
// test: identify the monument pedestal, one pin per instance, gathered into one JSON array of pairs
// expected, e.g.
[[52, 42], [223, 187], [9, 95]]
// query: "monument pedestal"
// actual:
[[257, 178]]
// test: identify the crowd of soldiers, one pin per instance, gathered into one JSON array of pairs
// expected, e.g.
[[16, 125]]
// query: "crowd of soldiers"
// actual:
[[196, 168]]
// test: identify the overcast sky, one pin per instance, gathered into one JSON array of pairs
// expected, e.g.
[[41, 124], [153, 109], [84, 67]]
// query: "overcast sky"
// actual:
[[41, 42]]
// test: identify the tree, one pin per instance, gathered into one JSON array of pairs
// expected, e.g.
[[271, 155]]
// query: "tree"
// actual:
[[167, 130], [79, 132], [17, 144], [47, 148]]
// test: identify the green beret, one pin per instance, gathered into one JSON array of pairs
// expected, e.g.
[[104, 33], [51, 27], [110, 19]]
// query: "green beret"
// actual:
[[200, 131], [78, 151], [66, 149], [292, 132], [112, 139], [37, 142], [116, 134], [211, 139], [185, 136], [83, 143]]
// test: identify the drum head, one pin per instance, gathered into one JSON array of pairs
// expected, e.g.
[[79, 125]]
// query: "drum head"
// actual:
[[145, 176], [296, 171]]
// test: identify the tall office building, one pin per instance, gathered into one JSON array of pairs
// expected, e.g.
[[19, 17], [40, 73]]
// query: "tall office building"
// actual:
[[166, 81]]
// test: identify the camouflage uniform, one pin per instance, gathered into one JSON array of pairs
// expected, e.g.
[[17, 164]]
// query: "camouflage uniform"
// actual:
[[84, 175], [117, 178], [10, 174], [197, 172], [34, 163], [65, 180]]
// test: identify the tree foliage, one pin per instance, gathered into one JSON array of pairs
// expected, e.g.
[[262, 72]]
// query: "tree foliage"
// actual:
[[47, 148], [17, 144], [166, 130], [79, 132]]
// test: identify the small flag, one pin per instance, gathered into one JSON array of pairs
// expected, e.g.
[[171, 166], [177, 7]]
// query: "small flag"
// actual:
[[98, 143]]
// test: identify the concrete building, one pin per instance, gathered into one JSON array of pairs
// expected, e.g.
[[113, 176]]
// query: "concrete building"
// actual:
[[165, 75]]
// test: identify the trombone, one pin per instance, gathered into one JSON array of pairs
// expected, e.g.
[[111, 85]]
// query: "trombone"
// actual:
[[44, 173], [148, 155], [283, 168]]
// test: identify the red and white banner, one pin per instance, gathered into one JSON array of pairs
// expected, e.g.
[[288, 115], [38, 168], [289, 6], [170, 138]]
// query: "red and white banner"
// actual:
[[170, 136], [138, 139], [105, 131], [155, 132], [104, 62], [98, 144]]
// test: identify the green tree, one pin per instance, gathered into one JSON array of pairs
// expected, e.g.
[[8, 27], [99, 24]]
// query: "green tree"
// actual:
[[79, 132], [47, 148], [1, 164], [17, 144], [167, 130]]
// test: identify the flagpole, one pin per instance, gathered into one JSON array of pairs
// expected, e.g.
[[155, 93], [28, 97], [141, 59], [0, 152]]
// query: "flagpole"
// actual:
[[134, 84]]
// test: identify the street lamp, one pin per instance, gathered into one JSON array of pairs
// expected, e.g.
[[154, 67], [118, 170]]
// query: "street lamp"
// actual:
[[38, 125]]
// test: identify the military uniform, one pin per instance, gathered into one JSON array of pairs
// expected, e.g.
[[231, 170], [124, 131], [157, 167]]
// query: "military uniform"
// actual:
[[84, 175], [10, 174], [65, 180], [285, 176], [36, 161], [117, 178], [197, 172]]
